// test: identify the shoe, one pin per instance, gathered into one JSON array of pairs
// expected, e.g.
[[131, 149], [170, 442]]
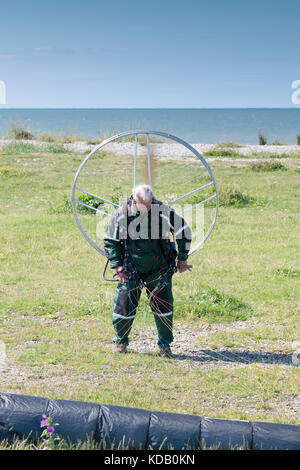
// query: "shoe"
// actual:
[[165, 351], [121, 348]]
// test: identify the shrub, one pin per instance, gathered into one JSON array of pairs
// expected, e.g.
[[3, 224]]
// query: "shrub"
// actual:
[[298, 139], [262, 139], [90, 201], [17, 132]]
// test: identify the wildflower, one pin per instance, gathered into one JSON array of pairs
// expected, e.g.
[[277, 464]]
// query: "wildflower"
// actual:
[[49, 437]]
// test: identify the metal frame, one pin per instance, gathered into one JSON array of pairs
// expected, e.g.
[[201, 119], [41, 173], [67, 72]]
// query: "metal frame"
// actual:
[[136, 133]]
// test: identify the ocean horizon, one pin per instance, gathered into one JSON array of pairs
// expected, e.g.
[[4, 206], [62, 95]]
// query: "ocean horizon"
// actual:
[[196, 125]]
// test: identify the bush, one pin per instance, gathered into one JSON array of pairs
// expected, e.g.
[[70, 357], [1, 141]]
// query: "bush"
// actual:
[[17, 132], [298, 139], [262, 139], [90, 201]]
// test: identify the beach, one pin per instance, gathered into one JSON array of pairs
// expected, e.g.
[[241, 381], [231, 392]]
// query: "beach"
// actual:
[[176, 151]]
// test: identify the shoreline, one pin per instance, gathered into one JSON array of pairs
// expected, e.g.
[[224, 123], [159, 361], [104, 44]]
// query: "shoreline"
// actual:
[[167, 149]]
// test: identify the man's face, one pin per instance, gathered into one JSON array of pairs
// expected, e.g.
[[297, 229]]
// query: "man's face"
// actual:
[[142, 206]]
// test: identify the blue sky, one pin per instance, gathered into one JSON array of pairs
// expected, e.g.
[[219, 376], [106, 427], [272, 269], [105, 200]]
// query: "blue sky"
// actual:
[[161, 53]]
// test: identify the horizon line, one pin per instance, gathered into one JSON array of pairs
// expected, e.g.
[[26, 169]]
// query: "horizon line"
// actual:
[[161, 107]]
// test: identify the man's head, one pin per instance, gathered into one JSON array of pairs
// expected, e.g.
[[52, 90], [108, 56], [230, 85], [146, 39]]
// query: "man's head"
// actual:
[[142, 197]]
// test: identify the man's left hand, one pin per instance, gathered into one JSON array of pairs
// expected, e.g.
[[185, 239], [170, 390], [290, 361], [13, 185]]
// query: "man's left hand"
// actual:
[[183, 266]]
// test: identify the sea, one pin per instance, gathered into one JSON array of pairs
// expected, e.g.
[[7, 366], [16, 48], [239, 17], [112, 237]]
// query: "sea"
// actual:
[[241, 125]]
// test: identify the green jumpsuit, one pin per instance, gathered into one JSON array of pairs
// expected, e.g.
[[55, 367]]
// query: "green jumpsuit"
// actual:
[[141, 243]]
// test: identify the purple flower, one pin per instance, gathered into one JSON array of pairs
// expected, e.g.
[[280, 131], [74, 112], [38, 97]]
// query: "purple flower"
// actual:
[[50, 429], [43, 423], [44, 416]]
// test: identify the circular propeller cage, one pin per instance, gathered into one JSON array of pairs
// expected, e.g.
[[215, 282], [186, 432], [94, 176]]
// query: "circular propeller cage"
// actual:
[[182, 180]]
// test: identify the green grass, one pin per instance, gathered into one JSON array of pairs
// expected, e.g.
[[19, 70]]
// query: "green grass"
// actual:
[[222, 152], [26, 444], [226, 152], [21, 148], [287, 272], [215, 306], [243, 292], [267, 166]]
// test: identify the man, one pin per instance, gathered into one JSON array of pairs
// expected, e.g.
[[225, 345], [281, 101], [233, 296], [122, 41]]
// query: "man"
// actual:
[[137, 243]]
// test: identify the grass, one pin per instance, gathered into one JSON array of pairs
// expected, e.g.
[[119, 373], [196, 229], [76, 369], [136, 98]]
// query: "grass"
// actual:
[[230, 153], [8, 171], [231, 195], [222, 152], [56, 310], [228, 144], [21, 148], [215, 306], [18, 131], [267, 166], [288, 272], [26, 444]]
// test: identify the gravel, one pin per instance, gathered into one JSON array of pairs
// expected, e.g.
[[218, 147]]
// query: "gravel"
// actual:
[[173, 150], [186, 348]]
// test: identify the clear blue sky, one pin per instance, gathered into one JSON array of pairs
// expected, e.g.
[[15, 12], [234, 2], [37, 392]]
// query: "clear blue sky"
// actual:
[[158, 53]]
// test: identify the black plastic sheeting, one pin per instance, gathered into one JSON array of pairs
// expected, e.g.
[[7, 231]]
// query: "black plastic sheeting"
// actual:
[[20, 416]]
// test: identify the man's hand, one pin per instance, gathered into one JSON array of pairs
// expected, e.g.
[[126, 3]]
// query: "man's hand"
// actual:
[[183, 266], [120, 274]]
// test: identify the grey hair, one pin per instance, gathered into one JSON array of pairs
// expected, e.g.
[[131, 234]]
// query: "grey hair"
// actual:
[[142, 193]]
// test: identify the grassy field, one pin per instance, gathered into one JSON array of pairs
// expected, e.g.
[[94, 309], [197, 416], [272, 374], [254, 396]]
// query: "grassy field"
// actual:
[[242, 297]]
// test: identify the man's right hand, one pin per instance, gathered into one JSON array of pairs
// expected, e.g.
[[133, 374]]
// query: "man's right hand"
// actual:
[[120, 270]]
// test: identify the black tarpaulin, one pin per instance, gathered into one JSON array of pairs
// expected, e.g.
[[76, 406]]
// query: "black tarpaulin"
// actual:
[[21, 415]]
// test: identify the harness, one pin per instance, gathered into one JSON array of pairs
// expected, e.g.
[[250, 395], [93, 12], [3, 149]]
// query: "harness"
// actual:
[[130, 271]]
